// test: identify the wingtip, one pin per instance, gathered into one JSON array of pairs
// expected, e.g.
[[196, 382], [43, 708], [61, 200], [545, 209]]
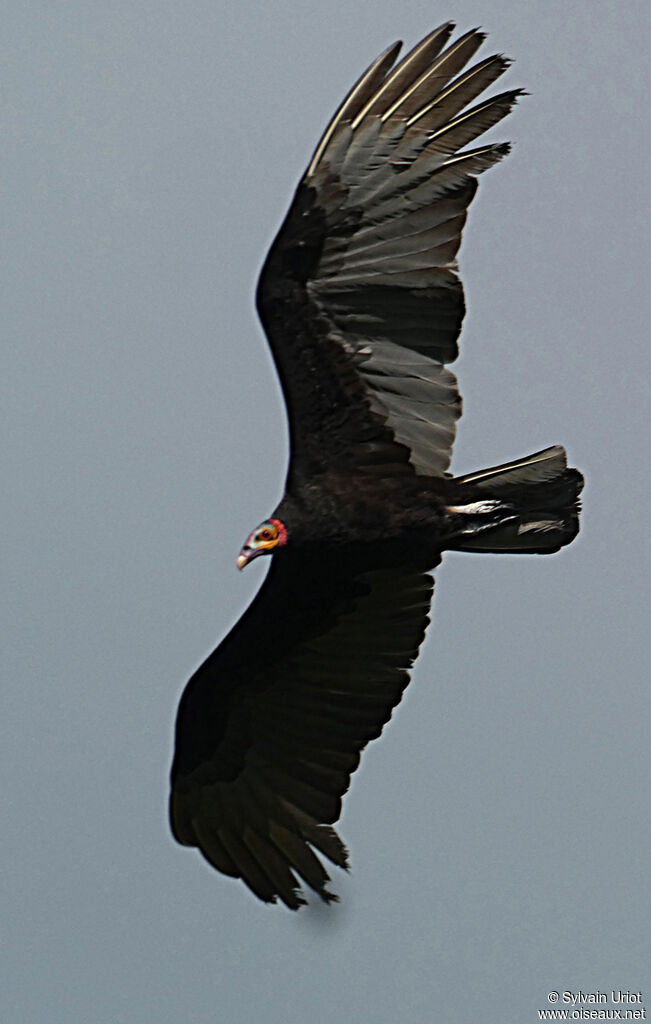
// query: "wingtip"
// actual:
[[328, 897], [477, 32]]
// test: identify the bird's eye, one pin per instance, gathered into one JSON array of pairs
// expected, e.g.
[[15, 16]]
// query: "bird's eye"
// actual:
[[266, 533]]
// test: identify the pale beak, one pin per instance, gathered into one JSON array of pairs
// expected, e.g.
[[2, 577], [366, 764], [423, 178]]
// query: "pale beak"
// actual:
[[247, 554]]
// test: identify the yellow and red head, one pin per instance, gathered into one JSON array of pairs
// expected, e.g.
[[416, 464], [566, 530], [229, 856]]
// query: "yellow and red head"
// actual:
[[263, 540]]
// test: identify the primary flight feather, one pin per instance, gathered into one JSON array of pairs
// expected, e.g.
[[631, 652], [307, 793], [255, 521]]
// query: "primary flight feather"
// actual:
[[362, 307]]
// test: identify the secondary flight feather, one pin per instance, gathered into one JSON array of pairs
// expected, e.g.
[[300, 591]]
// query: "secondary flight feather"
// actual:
[[362, 306]]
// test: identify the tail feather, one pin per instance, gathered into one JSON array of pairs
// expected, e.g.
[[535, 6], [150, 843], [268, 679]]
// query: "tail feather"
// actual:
[[541, 494]]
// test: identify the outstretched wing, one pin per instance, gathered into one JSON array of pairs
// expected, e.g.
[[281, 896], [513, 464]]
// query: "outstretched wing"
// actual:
[[271, 727], [359, 294]]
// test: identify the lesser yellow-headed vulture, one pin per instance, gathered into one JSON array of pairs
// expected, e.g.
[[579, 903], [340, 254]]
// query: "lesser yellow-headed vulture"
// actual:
[[362, 306]]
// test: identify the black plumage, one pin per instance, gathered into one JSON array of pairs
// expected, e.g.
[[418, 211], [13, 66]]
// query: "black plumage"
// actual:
[[362, 306]]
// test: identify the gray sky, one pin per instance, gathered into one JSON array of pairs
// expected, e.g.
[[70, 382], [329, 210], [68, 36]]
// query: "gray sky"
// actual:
[[500, 830]]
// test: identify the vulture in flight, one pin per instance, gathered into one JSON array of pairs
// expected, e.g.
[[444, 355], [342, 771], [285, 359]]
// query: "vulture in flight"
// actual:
[[362, 307]]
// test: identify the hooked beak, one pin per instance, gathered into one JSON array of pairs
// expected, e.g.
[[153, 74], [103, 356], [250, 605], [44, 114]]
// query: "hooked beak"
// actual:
[[247, 555]]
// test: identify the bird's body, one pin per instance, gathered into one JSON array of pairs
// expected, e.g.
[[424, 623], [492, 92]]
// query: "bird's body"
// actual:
[[362, 307]]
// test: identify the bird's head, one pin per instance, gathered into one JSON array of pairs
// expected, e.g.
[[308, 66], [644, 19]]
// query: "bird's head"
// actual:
[[263, 540]]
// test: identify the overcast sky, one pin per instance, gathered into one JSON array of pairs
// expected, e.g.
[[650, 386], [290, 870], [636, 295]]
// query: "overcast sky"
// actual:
[[500, 830]]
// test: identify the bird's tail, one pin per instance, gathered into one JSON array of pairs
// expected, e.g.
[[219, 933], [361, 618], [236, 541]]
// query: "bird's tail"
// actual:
[[530, 506]]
